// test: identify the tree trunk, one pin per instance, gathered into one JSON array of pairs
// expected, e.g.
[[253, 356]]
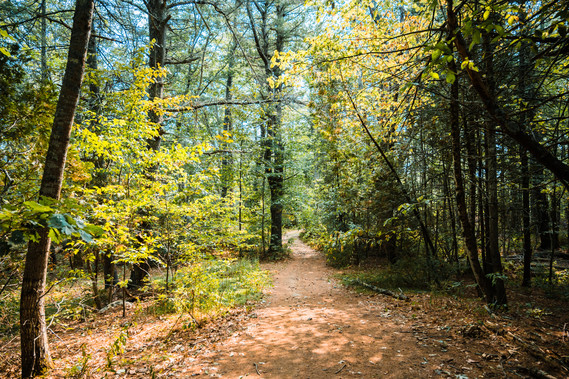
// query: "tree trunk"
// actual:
[[44, 76], [227, 161], [493, 250], [526, 281], [276, 179], [523, 85], [157, 25], [110, 272], [36, 359], [273, 150], [94, 274], [541, 208], [467, 227]]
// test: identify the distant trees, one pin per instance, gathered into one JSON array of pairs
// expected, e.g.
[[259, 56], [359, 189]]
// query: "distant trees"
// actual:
[[485, 79]]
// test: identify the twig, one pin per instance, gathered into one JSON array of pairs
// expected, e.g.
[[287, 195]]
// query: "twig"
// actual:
[[536, 373], [173, 326], [341, 368], [50, 288], [8, 343], [8, 281], [58, 337], [256, 368]]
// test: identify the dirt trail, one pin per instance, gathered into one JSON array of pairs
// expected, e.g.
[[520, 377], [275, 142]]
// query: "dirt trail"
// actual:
[[311, 327]]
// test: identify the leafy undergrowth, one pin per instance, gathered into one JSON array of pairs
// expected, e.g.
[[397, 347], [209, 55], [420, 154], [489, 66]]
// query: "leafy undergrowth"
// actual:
[[205, 303], [530, 339]]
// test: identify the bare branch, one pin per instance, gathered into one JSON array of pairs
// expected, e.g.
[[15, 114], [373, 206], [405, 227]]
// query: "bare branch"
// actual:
[[181, 61], [194, 106], [218, 151]]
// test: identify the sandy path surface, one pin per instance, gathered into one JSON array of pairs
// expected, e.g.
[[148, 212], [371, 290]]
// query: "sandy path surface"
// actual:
[[311, 327]]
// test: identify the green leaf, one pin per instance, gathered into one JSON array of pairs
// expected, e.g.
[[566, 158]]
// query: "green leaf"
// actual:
[[476, 36], [54, 235], [37, 208], [450, 77], [442, 47], [94, 230], [5, 52], [59, 222], [85, 236], [435, 55]]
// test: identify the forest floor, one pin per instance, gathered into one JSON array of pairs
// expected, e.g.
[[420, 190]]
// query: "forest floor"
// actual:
[[310, 326]]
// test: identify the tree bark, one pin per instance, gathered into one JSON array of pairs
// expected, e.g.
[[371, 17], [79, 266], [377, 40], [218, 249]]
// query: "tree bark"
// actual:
[[523, 85], [227, 160], [44, 76], [36, 358], [493, 250], [157, 25], [276, 180], [467, 227], [526, 281], [273, 150]]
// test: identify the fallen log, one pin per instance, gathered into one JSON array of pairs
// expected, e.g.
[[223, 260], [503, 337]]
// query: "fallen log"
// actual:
[[382, 291]]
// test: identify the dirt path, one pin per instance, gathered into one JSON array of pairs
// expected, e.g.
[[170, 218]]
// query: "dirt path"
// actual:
[[311, 327]]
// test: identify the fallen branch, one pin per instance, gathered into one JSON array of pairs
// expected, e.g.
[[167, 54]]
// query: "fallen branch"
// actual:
[[341, 368], [257, 368], [540, 374], [380, 290]]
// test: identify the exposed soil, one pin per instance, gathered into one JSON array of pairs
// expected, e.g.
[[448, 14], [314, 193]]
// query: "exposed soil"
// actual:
[[310, 326]]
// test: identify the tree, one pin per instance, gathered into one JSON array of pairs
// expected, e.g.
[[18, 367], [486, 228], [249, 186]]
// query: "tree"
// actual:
[[34, 344], [271, 133]]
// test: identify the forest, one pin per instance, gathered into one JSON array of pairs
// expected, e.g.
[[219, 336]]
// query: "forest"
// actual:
[[166, 164]]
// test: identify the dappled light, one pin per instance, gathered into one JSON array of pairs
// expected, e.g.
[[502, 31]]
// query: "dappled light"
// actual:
[[284, 188]]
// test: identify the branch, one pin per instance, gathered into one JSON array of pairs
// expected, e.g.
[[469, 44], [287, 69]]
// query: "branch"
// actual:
[[256, 36], [424, 230], [382, 291], [36, 17], [132, 3], [226, 152], [181, 61], [92, 34], [192, 107]]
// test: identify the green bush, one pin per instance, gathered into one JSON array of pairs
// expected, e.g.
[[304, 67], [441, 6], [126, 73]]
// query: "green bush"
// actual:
[[212, 285]]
